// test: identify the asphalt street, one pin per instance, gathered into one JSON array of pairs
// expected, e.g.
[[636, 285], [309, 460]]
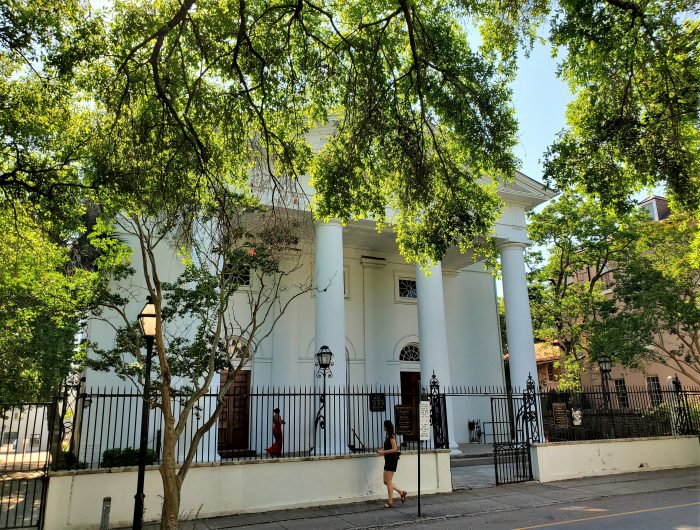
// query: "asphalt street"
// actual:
[[664, 510]]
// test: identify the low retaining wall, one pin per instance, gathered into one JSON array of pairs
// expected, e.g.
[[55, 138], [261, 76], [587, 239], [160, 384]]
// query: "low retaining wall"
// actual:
[[566, 460], [74, 498]]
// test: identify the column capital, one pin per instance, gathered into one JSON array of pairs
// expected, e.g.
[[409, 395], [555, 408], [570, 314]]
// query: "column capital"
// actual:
[[507, 245], [330, 222]]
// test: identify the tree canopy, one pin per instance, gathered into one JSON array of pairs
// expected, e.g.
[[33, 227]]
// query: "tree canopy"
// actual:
[[656, 316], [584, 241], [634, 68], [42, 300]]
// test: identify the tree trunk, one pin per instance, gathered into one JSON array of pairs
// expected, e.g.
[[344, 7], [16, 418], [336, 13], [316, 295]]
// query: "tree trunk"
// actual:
[[171, 482]]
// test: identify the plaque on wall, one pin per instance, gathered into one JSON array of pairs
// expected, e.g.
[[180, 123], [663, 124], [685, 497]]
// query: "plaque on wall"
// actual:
[[377, 402], [405, 420], [561, 419]]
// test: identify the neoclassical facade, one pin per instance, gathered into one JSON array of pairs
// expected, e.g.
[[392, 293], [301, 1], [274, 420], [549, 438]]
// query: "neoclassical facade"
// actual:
[[389, 323]]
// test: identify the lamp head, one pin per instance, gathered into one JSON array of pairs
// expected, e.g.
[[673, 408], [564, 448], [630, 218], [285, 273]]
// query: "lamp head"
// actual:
[[324, 357], [605, 364], [147, 318]]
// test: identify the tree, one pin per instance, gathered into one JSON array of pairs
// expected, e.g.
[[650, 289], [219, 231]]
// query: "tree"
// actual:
[[393, 80], [657, 312], [46, 120], [635, 120], [47, 128], [42, 299], [585, 242], [205, 114]]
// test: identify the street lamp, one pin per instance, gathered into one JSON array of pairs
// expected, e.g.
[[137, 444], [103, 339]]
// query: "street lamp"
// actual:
[[605, 365], [147, 321], [324, 361]]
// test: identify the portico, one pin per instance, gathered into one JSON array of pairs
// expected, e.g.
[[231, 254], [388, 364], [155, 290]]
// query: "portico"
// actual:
[[432, 315]]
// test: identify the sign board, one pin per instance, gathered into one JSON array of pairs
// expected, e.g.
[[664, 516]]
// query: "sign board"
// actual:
[[377, 402], [561, 419], [424, 420], [405, 421]]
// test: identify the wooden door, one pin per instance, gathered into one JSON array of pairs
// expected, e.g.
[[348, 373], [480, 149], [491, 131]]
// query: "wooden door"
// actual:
[[409, 396], [234, 422]]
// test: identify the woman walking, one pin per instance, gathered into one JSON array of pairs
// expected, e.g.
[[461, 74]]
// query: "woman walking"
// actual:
[[277, 422], [391, 460]]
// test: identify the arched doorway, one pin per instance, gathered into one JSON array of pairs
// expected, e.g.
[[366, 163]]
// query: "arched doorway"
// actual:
[[409, 357]]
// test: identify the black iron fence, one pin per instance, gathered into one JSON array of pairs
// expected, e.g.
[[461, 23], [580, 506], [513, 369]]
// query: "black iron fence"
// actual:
[[100, 428], [632, 412], [341, 421]]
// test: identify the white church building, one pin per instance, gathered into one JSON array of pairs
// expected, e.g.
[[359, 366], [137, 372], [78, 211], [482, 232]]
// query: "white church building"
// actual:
[[389, 323]]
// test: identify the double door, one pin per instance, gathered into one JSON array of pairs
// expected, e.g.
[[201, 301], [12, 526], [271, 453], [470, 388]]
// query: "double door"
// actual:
[[234, 422]]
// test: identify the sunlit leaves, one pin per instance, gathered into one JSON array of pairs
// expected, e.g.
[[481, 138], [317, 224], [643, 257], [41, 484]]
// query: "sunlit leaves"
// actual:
[[635, 122]]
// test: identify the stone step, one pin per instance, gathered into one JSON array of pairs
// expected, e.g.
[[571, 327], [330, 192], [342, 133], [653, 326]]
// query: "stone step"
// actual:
[[471, 461]]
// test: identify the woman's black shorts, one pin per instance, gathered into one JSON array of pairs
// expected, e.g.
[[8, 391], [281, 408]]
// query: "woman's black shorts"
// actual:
[[391, 462]]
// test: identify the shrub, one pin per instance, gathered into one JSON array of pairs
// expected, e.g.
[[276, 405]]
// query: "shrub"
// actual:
[[68, 460], [126, 457]]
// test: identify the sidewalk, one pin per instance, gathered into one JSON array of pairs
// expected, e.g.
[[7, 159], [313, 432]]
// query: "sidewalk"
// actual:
[[477, 500]]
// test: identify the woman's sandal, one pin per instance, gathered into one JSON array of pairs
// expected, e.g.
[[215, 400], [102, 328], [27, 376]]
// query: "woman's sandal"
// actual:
[[403, 496], [387, 505]]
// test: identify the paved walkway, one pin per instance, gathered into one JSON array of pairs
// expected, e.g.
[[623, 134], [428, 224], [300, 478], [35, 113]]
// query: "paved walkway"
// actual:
[[477, 500]]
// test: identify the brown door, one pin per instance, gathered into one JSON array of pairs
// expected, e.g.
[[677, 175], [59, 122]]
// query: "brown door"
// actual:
[[234, 422], [409, 396]]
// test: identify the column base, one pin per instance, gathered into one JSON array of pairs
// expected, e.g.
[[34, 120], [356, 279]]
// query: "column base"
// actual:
[[454, 449]]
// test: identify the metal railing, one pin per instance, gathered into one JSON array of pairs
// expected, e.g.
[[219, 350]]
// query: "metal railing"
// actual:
[[24, 457], [635, 412], [100, 428], [341, 421]]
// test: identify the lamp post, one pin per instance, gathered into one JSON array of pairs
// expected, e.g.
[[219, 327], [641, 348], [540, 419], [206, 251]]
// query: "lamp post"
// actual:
[[324, 361], [605, 365], [147, 320]]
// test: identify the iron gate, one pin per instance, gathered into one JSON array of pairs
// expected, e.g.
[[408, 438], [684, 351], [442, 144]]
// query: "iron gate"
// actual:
[[35, 437], [24, 456], [515, 425]]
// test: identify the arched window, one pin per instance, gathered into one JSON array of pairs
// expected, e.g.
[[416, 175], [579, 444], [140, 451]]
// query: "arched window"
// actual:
[[237, 348], [410, 352]]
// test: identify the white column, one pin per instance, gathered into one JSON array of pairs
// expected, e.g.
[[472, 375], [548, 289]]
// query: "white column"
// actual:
[[521, 343], [330, 297], [330, 328], [432, 334]]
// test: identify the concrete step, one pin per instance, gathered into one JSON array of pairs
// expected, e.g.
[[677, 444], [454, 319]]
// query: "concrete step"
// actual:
[[471, 461]]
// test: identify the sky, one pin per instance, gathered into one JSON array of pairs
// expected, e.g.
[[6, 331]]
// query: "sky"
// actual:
[[540, 100]]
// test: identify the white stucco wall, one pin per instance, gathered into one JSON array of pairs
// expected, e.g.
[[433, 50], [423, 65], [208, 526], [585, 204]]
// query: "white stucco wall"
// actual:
[[74, 499], [567, 460]]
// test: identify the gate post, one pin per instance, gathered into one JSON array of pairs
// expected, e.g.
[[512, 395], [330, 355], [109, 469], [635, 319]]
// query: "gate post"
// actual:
[[682, 420], [532, 417], [438, 415], [531, 420]]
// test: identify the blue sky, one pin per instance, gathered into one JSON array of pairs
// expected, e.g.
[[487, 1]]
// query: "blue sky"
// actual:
[[540, 100]]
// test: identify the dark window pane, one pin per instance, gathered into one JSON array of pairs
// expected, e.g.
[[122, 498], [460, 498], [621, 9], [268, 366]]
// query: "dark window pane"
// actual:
[[407, 288]]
